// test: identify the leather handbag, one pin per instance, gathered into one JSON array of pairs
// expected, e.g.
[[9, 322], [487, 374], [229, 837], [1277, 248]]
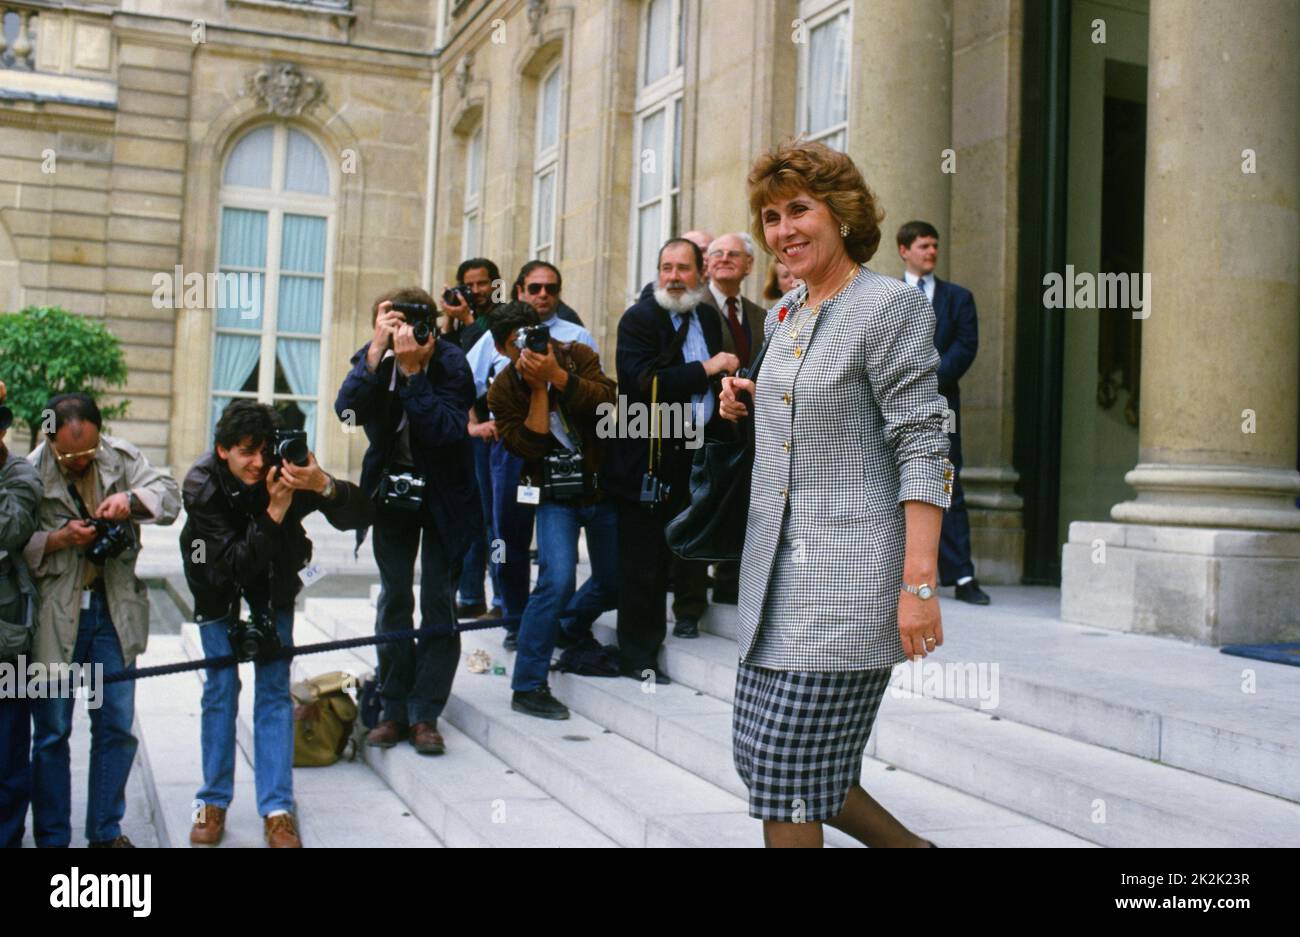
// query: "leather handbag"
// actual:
[[712, 527]]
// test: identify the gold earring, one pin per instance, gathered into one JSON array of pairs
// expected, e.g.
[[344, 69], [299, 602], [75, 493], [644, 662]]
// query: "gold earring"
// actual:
[[844, 230]]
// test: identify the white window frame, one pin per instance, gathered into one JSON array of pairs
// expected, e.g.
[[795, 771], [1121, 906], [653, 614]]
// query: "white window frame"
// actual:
[[664, 94], [817, 13], [472, 211], [276, 202], [546, 161]]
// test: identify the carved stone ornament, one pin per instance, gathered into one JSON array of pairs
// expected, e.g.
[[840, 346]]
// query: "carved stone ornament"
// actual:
[[464, 73], [536, 11], [284, 90]]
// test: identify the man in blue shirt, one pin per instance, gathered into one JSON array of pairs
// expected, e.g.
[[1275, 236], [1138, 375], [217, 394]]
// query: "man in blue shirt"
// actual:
[[538, 284]]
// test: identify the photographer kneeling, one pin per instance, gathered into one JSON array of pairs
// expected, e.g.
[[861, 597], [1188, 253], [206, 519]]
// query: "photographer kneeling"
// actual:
[[243, 538], [546, 411], [412, 391]]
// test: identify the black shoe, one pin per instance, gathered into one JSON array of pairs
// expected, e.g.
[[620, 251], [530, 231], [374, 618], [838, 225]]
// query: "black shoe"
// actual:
[[471, 611], [511, 643], [539, 703], [972, 593], [686, 628], [120, 843], [638, 673]]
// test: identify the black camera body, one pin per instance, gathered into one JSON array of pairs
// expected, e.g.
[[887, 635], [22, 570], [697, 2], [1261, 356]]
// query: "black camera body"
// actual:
[[420, 316], [111, 539], [255, 639], [457, 295], [534, 338], [290, 445], [562, 478], [404, 491], [654, 490]]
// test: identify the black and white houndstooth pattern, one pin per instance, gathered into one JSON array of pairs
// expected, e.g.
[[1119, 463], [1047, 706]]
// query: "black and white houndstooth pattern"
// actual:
[[798, 738], [845, 432]]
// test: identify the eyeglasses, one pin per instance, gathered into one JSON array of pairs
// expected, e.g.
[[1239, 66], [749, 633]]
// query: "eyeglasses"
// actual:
[[552, 289], [64, 457], [730, 255]]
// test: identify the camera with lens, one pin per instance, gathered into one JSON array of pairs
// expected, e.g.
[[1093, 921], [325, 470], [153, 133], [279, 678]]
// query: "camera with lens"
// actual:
[[562, 478], [111, 539], [534, 338], [404, 491], [420, 316], [654, 490], [290, 445], [457, 295], [255, 639]]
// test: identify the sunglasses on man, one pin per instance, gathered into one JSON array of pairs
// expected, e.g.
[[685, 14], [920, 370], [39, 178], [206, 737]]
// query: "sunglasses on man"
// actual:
[[63, 458], [552, 289]]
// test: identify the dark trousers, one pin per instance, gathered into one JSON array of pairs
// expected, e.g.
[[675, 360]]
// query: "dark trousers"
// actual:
[[512, 533], [954, 537], [476, 556], [726, 580], [690, 582], [644, 566], [415, 676], [15, 769]]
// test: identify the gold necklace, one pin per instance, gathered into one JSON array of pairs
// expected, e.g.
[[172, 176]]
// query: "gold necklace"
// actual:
[[812, 311]]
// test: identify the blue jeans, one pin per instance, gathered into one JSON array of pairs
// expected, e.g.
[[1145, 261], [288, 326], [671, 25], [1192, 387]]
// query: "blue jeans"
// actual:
[[558, 524], [513, 526], [272, 723], [15, 769], [476, 557], [112, 746]]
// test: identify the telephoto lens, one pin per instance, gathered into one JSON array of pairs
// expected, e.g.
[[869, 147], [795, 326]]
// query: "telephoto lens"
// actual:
[[291, 446]]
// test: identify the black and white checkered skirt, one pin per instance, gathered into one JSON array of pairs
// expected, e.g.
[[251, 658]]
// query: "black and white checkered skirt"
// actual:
[[798, 737]]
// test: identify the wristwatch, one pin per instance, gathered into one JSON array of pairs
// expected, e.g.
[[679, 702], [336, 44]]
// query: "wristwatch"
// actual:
[[923, 591], [328, 492]]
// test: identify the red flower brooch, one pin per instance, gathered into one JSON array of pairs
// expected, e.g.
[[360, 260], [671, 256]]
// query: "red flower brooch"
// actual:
[[780, 314]]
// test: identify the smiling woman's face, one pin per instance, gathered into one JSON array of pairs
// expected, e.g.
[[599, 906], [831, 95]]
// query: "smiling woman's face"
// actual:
[[803, 235]]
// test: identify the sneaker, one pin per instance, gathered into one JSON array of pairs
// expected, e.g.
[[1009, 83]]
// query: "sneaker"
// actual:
[[120, 843], [539, 703]]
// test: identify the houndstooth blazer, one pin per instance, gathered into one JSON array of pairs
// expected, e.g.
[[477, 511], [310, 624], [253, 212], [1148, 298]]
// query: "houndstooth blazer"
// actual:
[[845, 432]]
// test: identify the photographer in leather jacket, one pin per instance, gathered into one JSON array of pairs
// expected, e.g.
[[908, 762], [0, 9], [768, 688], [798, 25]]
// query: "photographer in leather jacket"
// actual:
[[546, 408], [413, 399], [20, 497], [243, 538]]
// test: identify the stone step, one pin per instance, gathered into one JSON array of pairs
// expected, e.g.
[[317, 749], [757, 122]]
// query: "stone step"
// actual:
[[693, 730], [468, 797], [1106, 797], [1157, 698], [626, 791], [343, 804]]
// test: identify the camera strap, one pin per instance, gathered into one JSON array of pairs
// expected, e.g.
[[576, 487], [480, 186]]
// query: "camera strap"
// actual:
[[76, 499], [653, 454]]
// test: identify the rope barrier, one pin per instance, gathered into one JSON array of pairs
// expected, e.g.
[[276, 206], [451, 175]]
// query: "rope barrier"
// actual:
[[284, 653]]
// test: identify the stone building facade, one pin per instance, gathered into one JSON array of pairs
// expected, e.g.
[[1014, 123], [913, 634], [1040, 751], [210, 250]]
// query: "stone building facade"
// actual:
[[340, 147]]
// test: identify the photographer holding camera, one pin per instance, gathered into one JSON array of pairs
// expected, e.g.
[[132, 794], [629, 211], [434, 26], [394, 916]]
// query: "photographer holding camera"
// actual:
[[243, 538], [20, 498], [93, 609], [546, 410], [466, 305], [411, 392]]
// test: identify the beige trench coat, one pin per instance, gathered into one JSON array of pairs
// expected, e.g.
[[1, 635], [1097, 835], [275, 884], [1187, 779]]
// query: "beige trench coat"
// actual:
[[59, 576]]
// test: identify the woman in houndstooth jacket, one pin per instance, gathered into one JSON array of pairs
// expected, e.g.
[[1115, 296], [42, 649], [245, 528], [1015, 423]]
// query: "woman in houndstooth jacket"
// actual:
[[851, 478]]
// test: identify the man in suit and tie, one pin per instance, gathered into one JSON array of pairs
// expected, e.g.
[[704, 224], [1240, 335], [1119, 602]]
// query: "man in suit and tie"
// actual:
[[956, 338], [730, 259], [676, 338]]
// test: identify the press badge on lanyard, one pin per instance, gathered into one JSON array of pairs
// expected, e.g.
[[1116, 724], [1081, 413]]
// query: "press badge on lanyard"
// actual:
[[85, 599], [529, 494]]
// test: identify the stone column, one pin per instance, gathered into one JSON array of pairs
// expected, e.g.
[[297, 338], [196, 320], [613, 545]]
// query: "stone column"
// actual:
[[900, 115], [1210, 547]]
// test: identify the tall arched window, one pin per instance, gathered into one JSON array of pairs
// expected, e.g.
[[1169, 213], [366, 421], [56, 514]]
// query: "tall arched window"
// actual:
[[277, 212], [546, 165], [656, 182], [824, 73], [471, 230]]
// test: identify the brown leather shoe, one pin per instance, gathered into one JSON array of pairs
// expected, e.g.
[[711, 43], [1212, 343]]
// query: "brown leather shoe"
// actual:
[[280, 832], [426, 739], [209, 827], [386, 734]]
